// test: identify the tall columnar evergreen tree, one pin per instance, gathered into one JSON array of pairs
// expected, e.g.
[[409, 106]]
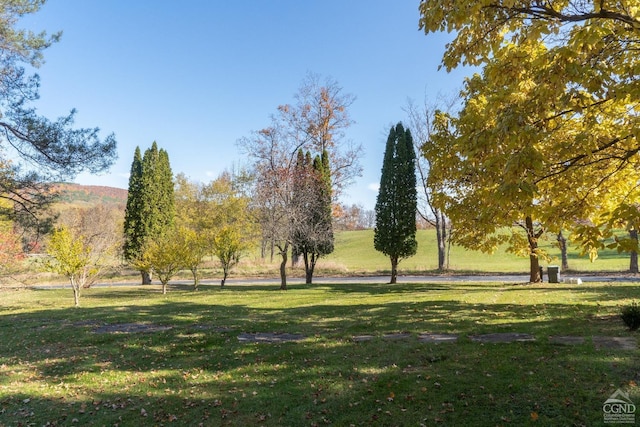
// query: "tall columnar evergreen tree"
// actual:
[[150, 205], [312, 228], [396, 205], [132, 222]]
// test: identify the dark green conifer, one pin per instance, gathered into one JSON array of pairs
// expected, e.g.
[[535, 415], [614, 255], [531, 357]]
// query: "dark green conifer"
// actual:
[[133, 236], [150, 203], [396, 204]]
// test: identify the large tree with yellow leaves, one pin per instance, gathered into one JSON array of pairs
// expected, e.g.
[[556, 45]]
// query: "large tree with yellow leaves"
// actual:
[[548, 135]]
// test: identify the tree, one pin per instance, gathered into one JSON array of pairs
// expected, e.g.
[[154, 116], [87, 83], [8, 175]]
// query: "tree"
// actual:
[[165, 255], [421, 125], [69, 257], [274, 157], [196, 247], [193, 218], [133, 231], [633, 253], [233, 226], [228, 246], [150, 210], [35, 150], [316, 123], [217, 220], [562, 245], [396, 204], [312, 220], [10, 249], [549, 129], [82, 245], [78, 255]]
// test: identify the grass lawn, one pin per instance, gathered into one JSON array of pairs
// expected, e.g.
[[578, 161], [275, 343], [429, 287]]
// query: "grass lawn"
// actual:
[[190, 368], [354, 253]]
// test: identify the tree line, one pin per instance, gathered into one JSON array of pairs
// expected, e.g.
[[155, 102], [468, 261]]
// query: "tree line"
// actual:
[[541, 141]]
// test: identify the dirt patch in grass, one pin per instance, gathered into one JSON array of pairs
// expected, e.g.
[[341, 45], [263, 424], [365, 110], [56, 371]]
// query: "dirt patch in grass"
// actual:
[[268, 337], [130, 328], [437, 338], [615, 343], [503, 337], [566, 340]]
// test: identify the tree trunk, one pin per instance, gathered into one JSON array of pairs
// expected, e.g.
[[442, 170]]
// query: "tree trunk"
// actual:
[[309, 267], [196, 281], [225, 273], [441, 237], [283, 267], [272, 250], [76, 292], [534, 273], [562, 244], [448, 248], [394, 269], [146, 277], [164, 288], [633, 255], [534, 261]]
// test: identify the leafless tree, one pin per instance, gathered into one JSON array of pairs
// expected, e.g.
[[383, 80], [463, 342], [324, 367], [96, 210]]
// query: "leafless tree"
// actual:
[[274, 162], [421, 126], [318, 121]]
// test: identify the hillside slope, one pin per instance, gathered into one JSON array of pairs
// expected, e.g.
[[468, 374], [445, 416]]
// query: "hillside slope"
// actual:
[[77, 195]]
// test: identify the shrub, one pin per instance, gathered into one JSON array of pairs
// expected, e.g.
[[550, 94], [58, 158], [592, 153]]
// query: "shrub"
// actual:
[[631, 316]]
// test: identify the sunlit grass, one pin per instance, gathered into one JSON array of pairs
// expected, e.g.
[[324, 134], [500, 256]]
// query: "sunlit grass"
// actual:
[[354, 252], [55, 368]]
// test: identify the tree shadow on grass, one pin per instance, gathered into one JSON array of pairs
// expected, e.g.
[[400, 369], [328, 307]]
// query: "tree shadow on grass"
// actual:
[[57, 369]]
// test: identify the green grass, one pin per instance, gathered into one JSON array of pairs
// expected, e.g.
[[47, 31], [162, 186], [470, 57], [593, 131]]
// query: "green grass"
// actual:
[[55, 370], [354, 253]]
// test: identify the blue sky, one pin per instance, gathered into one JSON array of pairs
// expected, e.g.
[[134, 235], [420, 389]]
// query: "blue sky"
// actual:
[[197, 75]]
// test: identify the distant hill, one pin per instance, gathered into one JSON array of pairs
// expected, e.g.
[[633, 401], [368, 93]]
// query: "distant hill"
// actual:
[[76, 195]]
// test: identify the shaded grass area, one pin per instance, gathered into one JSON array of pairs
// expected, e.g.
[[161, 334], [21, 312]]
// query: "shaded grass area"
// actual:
[[55, 368]]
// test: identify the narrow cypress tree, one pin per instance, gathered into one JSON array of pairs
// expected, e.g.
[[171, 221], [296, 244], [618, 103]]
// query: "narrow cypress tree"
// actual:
[[325, 219], [396, 204], [150, 204], [319, 228], [133, 238]]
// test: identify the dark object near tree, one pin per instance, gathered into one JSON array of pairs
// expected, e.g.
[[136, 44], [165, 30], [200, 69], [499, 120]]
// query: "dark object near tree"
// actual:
[[631, 316], [396, 204], [554, 274]]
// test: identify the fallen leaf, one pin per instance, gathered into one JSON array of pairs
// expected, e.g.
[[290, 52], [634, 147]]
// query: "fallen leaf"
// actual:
[[534, 416]]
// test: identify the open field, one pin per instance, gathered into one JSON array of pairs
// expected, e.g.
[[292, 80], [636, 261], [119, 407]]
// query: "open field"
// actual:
[[131, 356], [354, 255], [354, 252]]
